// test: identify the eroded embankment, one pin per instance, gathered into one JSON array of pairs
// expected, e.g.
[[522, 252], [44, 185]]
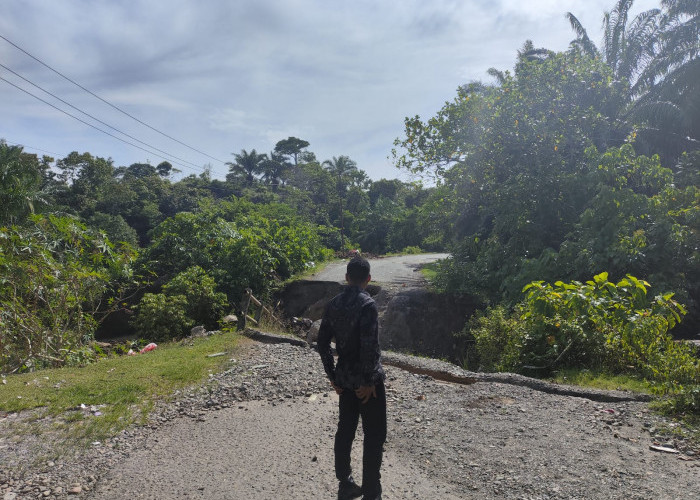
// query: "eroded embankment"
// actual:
[[411, 319]]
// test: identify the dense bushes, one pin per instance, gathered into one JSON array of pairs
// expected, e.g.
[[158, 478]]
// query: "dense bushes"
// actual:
[[54, 277], [239, 244], [188, 299], [160, 317], [599, 324]]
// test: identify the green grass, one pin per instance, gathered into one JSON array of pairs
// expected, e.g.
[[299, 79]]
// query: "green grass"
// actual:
[[602, 380], [127, 386], [429, 271]]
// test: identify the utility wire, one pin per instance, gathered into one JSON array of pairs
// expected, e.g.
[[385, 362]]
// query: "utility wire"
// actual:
[[93, 126], [24, 146], [97, 119], [107, 102]]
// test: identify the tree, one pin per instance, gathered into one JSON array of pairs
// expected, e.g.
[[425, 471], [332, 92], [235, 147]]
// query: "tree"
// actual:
[[291, 146], [657, 53], [509, 157], [387, 188], [671, 108], [627, 47], [247, 165], [20, 182], [341, 168], [274, 170], [164, 168]]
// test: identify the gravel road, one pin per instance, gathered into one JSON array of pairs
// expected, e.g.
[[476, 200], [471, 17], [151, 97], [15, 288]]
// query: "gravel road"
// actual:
[[263, 429], [446, 441], [399, 270]]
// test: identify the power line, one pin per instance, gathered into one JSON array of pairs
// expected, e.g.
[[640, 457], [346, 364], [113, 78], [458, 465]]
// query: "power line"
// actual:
[[93, 126], [11, 143], [97, 119], [107, 102]]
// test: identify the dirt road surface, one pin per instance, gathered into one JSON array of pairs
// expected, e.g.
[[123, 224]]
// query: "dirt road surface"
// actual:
[[399, 270], [446, 441], [263, 430]]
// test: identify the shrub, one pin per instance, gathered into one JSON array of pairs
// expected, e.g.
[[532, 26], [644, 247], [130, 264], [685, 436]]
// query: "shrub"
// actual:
[[54, 274], [237, 244], [602, 324], [411, 250], [599, 324], [204, 305], [160, 317], [496, 337]]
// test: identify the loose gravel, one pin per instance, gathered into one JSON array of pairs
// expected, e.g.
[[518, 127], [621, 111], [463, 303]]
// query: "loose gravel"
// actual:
[[263, 429]]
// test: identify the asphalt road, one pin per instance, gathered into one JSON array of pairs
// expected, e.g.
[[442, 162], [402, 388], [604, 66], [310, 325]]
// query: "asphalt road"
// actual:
[[399, 270]]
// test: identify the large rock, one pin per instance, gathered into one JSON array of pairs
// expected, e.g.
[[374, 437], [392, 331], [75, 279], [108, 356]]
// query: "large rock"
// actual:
[[309, 298]]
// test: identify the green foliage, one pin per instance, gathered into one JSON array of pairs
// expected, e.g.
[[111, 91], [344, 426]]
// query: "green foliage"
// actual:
[[494, 332], [115, 227], [291, 146], [54, 275], [246, 167], [204, 305], [160, 317], [20, 183], [600, 325], [532, 190], [411, 250], [275, 229], [239, 244]]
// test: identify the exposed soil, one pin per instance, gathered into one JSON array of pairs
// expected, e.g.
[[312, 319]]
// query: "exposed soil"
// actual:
[[264, 430]]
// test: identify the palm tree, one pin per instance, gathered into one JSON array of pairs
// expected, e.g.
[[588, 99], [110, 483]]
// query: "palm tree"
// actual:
[[671, 108], [274, 169], [627, 47], [657, 53], [247, 164], [341, 168]]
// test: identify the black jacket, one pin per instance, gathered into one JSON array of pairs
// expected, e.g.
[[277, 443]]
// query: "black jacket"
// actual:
[[351, 318]]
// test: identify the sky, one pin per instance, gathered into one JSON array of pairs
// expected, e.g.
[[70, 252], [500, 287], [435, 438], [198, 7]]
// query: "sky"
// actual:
[[220, 76]]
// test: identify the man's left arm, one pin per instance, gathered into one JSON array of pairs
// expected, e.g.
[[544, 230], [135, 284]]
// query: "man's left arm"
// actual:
[[325, 334]]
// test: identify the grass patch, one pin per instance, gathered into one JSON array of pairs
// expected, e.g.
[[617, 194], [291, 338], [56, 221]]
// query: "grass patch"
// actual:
[[429, 271], [602, 380], [124, 388]]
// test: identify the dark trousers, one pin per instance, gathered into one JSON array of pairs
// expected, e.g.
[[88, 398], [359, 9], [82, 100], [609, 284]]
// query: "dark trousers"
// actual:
[[373, 415]]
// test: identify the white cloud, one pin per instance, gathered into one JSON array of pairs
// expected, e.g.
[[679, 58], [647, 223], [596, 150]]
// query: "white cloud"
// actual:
[[224, 76]]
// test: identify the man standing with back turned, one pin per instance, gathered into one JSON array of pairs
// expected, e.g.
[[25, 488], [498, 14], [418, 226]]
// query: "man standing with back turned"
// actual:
[[351, 318]]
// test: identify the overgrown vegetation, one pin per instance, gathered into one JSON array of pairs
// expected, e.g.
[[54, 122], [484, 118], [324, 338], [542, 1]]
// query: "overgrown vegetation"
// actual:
[[574, 164], [608, 327], [54, 276]]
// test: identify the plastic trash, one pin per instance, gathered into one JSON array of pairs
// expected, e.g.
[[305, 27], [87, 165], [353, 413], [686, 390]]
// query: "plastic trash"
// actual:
[[149, 347]]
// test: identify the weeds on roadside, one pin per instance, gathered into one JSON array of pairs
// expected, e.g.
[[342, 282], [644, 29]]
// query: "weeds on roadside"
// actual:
[[122, 390]]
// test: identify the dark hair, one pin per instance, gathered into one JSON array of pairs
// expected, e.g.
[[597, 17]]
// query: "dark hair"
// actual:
[[358, 269]]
